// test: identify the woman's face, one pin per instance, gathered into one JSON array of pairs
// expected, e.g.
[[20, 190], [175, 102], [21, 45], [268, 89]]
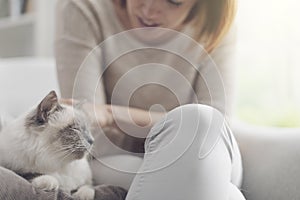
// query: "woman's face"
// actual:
[[158, 13]]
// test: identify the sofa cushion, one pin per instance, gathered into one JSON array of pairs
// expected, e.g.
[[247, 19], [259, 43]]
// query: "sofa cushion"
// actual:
[[271, 159]]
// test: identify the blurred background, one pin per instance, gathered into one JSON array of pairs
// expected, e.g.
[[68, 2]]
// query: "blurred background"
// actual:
[[268, 62], [268, 65], [26, 28]]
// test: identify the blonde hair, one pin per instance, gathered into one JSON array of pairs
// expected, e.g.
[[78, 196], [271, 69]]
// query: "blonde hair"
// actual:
[[211, 20]]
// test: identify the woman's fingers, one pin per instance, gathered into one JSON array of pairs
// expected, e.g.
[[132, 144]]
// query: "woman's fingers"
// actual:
[[68, 101], [65, 101]]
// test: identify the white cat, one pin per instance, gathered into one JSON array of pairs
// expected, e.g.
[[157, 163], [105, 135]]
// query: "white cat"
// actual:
[[51, 140]]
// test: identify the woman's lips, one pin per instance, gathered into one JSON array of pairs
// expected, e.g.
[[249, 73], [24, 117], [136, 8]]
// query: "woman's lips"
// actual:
[[144, 23]]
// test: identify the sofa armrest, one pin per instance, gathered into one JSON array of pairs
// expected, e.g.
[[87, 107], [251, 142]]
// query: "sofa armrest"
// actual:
[[271, 158]]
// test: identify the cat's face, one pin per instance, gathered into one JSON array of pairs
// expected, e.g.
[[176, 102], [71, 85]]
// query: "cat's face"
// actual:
[[59, 131]]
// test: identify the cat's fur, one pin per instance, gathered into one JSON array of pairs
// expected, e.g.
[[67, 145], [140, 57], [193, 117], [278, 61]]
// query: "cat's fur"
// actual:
[[51, 139]]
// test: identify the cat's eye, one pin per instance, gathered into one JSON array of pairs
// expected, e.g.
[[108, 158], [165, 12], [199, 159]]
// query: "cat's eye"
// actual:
[[75, 129], [175, 2]]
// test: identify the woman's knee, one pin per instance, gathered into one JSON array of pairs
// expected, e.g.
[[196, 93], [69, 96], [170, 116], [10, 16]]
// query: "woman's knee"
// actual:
[[203, 113], [191, 121], [235, 193]]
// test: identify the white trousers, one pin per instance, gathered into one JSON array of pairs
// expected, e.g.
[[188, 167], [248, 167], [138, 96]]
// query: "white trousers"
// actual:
[[191, 154]]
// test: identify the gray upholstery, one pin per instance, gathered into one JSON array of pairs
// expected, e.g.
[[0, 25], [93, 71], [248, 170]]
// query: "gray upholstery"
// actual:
[[271, 159], [271, 156]]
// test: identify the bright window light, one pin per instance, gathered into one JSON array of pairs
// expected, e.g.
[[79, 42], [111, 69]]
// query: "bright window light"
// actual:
[[269, 62]]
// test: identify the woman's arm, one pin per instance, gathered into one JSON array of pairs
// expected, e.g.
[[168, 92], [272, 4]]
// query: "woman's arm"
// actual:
[[214, 85], [130, 125], [78, 65], [132, 121]]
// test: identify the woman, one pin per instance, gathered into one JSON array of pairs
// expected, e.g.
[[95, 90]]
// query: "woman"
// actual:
[[190, 152]]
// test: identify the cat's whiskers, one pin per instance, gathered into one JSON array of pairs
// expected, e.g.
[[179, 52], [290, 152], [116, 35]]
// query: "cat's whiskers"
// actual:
[[71, 151], [67, 154], [63, 148], [61, 151], [64, 152]]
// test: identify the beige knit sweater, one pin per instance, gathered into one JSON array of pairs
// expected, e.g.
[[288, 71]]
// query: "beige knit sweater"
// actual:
[[108, 75]]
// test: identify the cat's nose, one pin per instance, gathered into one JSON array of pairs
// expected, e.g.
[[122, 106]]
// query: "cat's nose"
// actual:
[[90, 140]]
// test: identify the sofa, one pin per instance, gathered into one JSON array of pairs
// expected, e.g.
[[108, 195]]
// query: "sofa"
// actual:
[[271, 156]]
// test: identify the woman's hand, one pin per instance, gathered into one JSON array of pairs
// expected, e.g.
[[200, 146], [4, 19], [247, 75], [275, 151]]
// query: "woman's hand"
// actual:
[[132, 121], [97, 114], [126, 127]]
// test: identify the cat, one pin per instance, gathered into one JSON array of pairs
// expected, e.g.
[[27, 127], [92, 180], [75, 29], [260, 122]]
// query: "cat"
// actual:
[[52, 140]]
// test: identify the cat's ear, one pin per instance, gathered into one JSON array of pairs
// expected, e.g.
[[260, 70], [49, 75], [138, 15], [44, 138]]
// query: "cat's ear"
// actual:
[[47, 105]]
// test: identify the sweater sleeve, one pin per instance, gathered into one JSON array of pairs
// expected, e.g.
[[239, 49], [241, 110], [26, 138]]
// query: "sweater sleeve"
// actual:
[[214, 84], [78, 60]]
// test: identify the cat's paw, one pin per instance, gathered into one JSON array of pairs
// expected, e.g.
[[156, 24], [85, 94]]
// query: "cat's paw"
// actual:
[[85, 192], [45, 182]]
